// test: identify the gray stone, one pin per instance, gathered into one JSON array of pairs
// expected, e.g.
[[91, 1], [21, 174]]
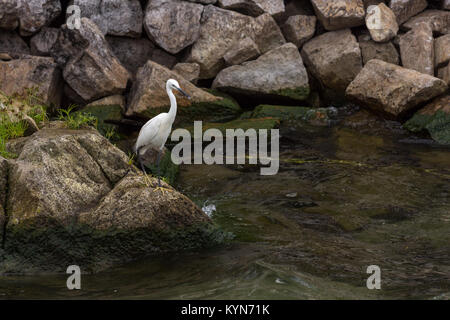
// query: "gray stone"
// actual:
[[299, 29], [438, 19], [334, 58], [442, 51], [266, 33], [444, 74], [9, 14], [42, 42], [173, 25], [417, 49], [11, 42], [392, 90], [36, 14], [189, 71], [405, 9], [279, 72], [339, 14], [254, 7], [385, 51], [381, 22]]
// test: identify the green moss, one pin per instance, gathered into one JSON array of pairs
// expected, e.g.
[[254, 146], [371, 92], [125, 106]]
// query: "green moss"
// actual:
[[437, 124], [300, 93], [169, 170], [103, 113], [292, 113]]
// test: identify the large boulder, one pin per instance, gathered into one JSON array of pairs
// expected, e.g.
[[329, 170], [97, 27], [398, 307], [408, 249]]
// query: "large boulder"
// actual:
[[148, 97], [442, 51], [11, 42], [279, 72], [339, 14], [254, 7], [405, 9], [189, 71], [381, 22], [38, 75], [173, 25], [90, 67], [334, 58], [222, 29], [9, 14], [114, 17], [299, 29], [434, 118], [370, 49], [438, 19], [444, 73], [74, 197], [392, 90], [417, 49], [134, 53], [42, 42]]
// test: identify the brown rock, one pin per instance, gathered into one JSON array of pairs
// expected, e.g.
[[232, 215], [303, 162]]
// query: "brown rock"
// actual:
[[38, 74], [381, 22], [254, 7], [173, 25], [149, 91], [299, 29], [439, 20], [35, 14], [374, 50], [117, 100], [244, 50], [417, 49], [339, 14], [392, 90], [43, 41], [189, 71], [442, 51], [334, 58], [444, 74], [440, 103], [9, 14], [405, 9], [266, 33]]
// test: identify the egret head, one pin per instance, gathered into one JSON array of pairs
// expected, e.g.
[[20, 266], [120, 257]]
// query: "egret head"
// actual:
[[173, 84]]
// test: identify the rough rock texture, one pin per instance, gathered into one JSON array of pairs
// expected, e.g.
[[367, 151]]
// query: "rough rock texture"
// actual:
[[90, 67], [446, 4], [370, 49], [114, 17], [254, 7], [173, 25], [393, 90], [295, 8], [381, 22], [279, 72], [435, 118], [85, 203], [35, 14], [42, 42], [442, 51], [405, 9], [222, 29], [11, 42], [3, 185], [109, 101], [189, 71], [444, 74], [244, 50], [148, 96], [203, 1], [417, 49], [334, 58], [339, 14], [9, 14], [38, 74], [134, 53], [299, 29], [439, 20]]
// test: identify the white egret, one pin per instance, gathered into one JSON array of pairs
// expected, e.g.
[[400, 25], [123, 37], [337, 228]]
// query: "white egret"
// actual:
[[154, 133]]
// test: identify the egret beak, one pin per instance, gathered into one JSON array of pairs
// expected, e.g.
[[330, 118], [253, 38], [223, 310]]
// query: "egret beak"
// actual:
[[183, 93]]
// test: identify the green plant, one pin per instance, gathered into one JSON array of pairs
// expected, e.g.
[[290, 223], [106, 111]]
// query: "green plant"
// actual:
[[76, 120], [111, 134], [10, 130]]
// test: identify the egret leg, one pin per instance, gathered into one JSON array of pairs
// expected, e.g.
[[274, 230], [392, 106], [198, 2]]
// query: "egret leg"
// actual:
[[146, 178], [158, 160]]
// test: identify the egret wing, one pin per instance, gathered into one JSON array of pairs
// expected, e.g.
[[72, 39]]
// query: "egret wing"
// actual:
[[149, 132]]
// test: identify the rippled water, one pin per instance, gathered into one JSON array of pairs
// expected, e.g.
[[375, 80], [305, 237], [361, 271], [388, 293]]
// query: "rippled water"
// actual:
[[344, 199]]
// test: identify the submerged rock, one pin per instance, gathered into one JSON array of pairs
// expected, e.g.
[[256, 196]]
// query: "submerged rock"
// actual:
[[38, 75], [148, 97], [319, 116], [435, 118], [279, 72], [74, 198], [392, 90]]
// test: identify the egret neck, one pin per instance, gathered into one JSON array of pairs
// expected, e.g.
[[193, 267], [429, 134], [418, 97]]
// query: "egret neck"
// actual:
[[173, 103]]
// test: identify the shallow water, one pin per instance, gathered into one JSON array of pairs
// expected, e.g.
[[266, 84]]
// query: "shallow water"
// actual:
[[343, 199]]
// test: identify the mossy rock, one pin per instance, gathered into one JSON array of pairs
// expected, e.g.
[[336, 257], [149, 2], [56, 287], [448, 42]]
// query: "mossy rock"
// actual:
[[293, 113], [300, 93], [437, 124], [103, 113], [168, 170]]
